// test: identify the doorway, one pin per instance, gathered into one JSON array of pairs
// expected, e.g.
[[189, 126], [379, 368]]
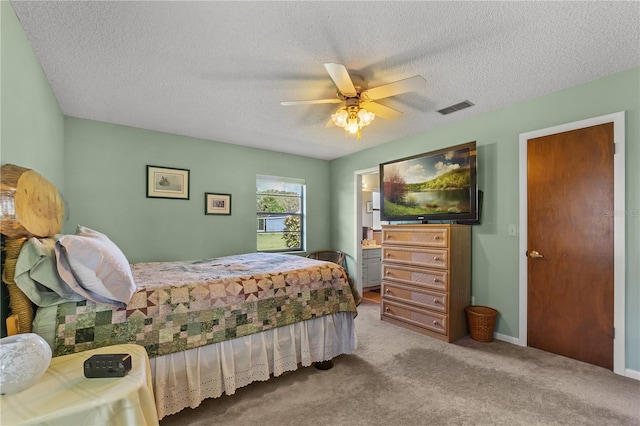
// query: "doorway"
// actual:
[[368, 236], [539, 301]]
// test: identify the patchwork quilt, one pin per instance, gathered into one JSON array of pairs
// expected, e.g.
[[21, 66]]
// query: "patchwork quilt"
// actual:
[[187, 304]]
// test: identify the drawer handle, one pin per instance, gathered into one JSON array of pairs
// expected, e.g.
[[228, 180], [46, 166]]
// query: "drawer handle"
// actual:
[[437, 237], [387, 291], [388, 254], [436, 280], [387, 309], [436, 301], [435, 322], [388, 273], [436, 258]]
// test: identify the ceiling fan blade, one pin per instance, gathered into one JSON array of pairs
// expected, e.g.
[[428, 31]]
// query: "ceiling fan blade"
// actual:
[[311, 102], [411, 84], [341, 78], [381, 111]]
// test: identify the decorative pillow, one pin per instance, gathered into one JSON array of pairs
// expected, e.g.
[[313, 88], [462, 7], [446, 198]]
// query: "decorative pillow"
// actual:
[[37, 274], [93, 266]]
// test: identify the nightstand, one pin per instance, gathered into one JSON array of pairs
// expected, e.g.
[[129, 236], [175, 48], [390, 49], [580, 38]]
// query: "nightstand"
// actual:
[[64, 396]]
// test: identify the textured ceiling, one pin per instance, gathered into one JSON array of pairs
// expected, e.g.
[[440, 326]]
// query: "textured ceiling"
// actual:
[[218, 70]]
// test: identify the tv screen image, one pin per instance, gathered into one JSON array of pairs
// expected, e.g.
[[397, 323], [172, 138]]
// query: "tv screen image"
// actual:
[[438, 185]]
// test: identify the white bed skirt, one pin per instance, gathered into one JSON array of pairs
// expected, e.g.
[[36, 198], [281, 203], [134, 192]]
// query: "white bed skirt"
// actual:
[[185, 379]]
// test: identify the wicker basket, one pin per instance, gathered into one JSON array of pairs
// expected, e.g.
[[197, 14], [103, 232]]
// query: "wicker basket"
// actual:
[[482, 322]]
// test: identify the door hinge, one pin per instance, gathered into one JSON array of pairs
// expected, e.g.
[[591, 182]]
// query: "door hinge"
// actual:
[[614, 332], [614, 149]]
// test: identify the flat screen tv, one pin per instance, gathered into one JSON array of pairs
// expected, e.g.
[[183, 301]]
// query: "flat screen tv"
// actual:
[[438, 186]]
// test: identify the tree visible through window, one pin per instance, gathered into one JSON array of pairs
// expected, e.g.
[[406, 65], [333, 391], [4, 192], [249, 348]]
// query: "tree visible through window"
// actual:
[[280, 218]]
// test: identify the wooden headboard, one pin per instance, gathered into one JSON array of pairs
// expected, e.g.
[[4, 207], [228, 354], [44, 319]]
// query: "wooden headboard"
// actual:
[[30, 206]]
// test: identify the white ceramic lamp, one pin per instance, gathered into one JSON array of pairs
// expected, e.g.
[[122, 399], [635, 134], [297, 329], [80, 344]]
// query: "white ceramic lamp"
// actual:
[[23, 360]]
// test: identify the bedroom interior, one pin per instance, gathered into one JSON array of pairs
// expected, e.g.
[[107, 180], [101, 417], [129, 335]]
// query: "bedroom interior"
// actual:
[[63, 115]]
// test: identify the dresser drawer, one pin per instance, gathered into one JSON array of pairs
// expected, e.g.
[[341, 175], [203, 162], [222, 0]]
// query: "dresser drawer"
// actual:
[[431, 278], [423, 257], [418, 296], [416, 316], [419, 237]]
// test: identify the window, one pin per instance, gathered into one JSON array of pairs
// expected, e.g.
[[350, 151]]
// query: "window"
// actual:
[[280, 213]]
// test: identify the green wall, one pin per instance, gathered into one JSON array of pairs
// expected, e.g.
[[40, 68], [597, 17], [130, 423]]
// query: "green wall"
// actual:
[[494, 253], [105, 180], [31, 122]]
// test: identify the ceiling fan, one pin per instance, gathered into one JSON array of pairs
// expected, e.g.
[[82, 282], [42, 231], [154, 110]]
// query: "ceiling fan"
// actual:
[[359, 107]]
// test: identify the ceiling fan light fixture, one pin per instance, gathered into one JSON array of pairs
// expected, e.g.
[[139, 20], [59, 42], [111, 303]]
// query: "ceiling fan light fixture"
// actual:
[[340, 118], [366, 117], [352, 125], [352, 119]]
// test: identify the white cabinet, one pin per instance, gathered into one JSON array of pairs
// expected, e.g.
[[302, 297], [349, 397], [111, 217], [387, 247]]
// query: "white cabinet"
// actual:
[[371, 267], [376, 210]]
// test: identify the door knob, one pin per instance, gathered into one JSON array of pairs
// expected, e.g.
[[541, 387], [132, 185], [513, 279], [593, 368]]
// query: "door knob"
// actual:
[[535, 254]]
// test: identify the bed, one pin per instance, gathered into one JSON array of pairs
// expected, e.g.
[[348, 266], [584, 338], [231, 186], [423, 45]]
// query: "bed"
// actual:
[[209, 326]]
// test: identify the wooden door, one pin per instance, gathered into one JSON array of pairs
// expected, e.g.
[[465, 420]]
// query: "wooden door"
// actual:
[[570, 244]]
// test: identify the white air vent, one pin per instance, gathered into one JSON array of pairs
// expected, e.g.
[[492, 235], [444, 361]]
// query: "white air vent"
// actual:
[[456, 107]]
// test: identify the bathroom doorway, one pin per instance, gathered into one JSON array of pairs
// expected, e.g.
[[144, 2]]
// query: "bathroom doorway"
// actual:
[[370, 237]]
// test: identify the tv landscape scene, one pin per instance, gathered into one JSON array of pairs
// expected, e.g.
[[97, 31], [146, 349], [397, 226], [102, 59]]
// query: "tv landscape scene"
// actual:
[[438, 185]]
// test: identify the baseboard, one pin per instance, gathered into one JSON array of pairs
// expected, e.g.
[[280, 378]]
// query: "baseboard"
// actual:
[[505, 338], [632, 374]]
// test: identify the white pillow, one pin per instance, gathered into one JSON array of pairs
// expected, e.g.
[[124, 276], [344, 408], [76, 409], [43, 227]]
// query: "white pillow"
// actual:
[[93, 266]]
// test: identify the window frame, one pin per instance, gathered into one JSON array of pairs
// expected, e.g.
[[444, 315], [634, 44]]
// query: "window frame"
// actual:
[[263, 216]]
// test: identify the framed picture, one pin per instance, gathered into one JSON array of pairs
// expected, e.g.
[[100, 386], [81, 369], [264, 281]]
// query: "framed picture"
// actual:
[[369, 206], [167, 182], [217, 203]]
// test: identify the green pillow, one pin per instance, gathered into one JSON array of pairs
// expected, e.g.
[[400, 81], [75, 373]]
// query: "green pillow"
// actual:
[[37, 274]]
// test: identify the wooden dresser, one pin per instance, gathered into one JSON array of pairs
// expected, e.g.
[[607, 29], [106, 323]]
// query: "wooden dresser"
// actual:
[[426, 276]]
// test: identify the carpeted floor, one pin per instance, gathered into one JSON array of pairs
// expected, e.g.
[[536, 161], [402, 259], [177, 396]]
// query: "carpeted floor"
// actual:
[[397, 377]]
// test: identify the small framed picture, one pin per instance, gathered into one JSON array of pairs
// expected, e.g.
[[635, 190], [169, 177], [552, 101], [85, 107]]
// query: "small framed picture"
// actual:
[[217, 203], [167, 182]]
